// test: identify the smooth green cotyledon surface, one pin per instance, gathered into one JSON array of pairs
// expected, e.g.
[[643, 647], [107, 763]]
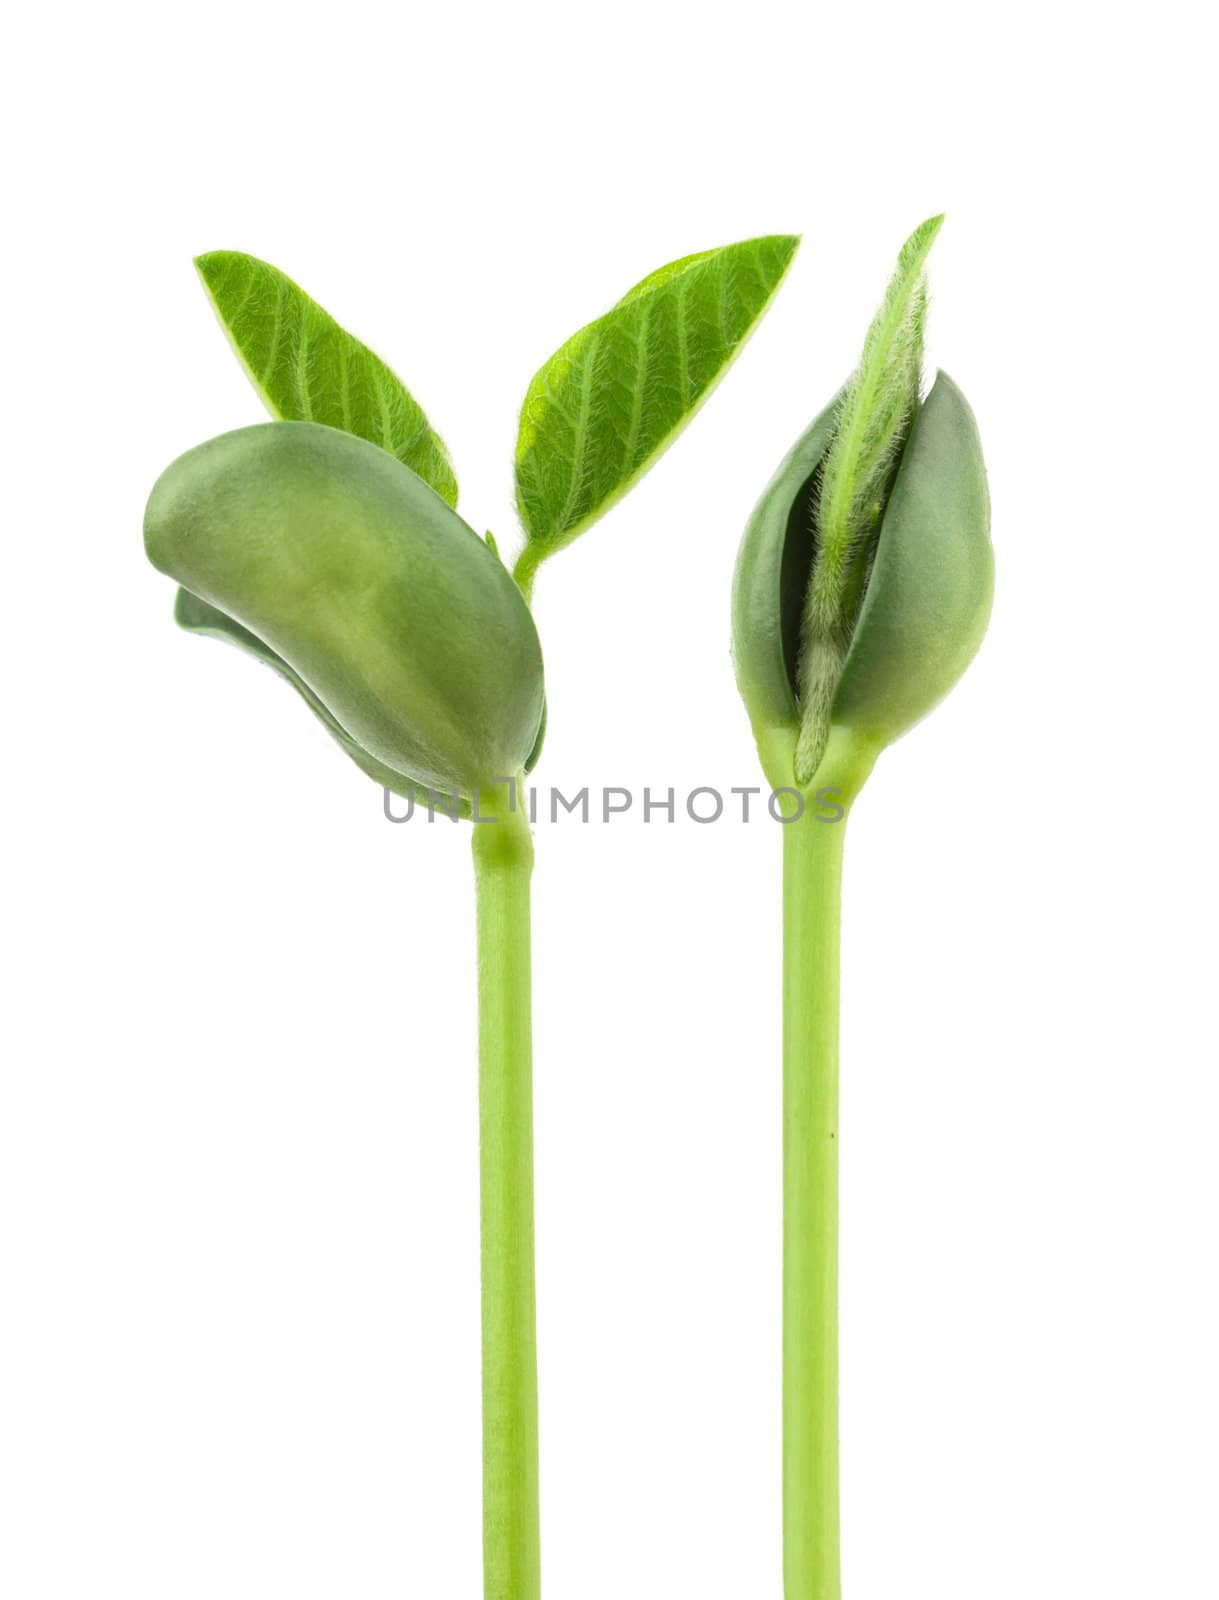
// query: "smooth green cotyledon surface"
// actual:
[[931, 585], [923, 612], [389, 609]]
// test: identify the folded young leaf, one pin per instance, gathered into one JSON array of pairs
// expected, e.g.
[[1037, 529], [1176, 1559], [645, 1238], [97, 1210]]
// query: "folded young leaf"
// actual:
[[309, 369], [878, 406], [606, 404]]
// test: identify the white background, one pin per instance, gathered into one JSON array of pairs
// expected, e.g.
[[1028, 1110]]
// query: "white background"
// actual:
[[238, 1135]]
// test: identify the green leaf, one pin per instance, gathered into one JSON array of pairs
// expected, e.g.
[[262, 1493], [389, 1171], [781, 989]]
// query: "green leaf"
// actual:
[[606, 404], [309, 369]]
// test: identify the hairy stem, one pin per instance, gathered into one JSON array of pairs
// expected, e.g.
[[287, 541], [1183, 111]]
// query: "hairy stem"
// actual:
[[503, 862], [812, 876], [526, 570]]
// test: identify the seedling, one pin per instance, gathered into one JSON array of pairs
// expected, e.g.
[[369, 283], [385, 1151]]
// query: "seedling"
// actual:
[[327, 545], [862, 591]]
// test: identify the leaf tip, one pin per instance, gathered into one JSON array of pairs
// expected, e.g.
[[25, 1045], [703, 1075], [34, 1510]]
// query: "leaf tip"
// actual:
[[211, 266], [786, 244], [207, 261], [924, 236]]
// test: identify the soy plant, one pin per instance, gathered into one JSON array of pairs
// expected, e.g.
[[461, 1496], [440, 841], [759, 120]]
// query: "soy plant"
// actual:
[[862, 591], [327, 545]]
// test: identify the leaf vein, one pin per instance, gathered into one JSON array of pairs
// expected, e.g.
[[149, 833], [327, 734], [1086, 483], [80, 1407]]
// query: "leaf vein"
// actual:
[[276, 328], [640, 385], [576, 481], [301, 366]]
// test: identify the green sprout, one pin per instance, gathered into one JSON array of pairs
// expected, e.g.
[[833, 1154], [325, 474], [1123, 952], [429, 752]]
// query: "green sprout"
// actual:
[[862, 591], [327, 545]]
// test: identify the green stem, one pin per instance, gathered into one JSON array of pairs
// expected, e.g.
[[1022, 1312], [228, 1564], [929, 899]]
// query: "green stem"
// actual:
[[526, 570], [503, 862], [812, 880]]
